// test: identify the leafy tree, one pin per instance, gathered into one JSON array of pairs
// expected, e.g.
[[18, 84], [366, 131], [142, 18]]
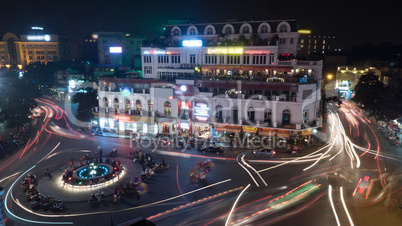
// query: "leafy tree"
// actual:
[[255, 40], [86, 99], [20, 97], [241, 41], [41, 74], [377, 99]]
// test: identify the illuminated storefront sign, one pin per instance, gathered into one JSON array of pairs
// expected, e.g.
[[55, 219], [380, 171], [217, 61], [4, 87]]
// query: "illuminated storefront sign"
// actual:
[[39, 38], [247, 129], [115, 49], [37, 28], [201, 109], [252, 52], [238, 51], [154, 52], [185, 125], [124, 118], [192, 43]]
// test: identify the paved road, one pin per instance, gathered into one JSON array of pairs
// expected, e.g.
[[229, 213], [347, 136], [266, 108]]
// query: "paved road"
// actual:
[[279, 191]]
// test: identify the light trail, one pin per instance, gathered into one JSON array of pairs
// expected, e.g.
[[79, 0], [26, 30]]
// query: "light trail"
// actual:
[[234, 205], [345, 208], [177, 179], [245, 163], [248, 172], [354, 192], [20, 218], [9, 177], [121, 210], [332, 204]]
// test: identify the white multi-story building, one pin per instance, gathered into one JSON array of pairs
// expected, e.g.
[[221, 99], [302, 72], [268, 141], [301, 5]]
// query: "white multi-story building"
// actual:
[[229, 77]]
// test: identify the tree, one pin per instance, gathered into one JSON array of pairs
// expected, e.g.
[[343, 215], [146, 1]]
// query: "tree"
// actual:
[[41, 74], [377, 99], [86, 99], [241, 41]]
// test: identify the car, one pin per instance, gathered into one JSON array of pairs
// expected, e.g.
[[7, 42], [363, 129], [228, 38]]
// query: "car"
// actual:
[[265, 152], [213, 149]]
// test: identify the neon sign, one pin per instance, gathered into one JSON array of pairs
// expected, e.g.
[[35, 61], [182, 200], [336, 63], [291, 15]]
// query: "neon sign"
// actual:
[[38, 37], [238, 51], [154, 52], [192, 43], [252, 52], [116, 49], [201, 109], [37, 28], [124, 118]]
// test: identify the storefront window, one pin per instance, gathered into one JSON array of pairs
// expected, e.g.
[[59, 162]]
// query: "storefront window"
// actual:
[[268, 116], [168, 109], [116, 103], [218, 112], [138, 105], [128, 105], [150, 106], [105, 103], [251, 114]]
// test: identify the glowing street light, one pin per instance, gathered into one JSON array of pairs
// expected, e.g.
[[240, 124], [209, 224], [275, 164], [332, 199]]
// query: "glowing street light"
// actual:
[[329, 76]]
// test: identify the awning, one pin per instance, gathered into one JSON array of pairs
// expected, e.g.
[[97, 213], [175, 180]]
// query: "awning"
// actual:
[[282, 135], [266, 133], [229, 129], [248, 129]]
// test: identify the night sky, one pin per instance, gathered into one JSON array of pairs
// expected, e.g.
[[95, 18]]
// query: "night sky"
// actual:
[[349, 22]]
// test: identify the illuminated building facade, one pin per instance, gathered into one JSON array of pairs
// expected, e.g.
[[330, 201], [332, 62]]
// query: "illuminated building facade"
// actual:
[[119, 48], [311, 44], [36, 45], [226, 79]]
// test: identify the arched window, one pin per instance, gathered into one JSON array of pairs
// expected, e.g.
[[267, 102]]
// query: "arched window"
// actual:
[[138, 105], [268, 116], [210, 31], [168, 109], [175, 31], [235, 115], [228, 30], [116, 103], [128, 104], [251, 114], [150, 106], [105, 103], [192, 31], [246, 30], [283, 28], [264, 29], [286, 116], [218, 112]]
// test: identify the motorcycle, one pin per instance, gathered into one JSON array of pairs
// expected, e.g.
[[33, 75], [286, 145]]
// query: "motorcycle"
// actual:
[[33, 196], [46, 202], [94, 200], [57, 205], [162, 166], [113, 153]]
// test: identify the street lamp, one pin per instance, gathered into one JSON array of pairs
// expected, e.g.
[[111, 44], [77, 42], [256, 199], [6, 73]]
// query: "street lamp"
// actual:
[[329, 76]]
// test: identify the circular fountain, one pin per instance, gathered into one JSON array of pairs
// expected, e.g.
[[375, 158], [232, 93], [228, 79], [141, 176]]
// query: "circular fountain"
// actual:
[[92, 175]]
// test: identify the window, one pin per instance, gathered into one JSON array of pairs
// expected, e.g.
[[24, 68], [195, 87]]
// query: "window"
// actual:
[[210, 31], [176, 32], [246, 59], [323, 42], [307, 94], [163, 59], [315, 41], [191, 31], [42, 57], [283, 28], [40, 52], [228, 30], [233, 59], [30, 57], [147, 59], [305, 116], [286, 116], [168, 109], [38, 57], [2, 52], [148, 70], [221, 59], [302, 41], [315, 47], [176, 59], [271, 58], [291, 41], [264, 29], [51, 52], [259, 59], [267, 115], [210, 59], [54, 57], [301, 46], [282, 41], [323, 47], [192, 58], [246, 30]]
